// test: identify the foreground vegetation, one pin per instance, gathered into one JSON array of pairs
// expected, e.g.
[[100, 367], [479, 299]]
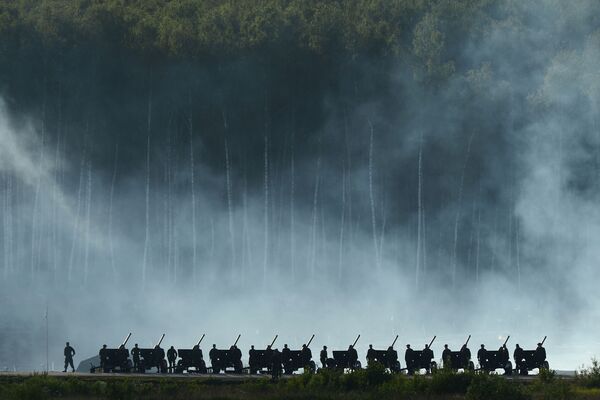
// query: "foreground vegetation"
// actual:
[[371, 383]]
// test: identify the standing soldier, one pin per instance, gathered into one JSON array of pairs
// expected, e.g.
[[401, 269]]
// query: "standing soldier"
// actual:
[[409, 359], [286, 357], [447, 357], [252, 359], [482, 356], [539, 355], [135, 353], [172, 356], [323, 357], [371, 355], [465, 355], [518, 356], [352, 356], [69, 353], [103, 358], [306, 355], [275, 364], [427, 355], [159, 358]]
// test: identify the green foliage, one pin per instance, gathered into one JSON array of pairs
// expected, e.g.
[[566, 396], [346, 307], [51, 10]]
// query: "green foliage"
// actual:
[[590, 377], [492, 387]]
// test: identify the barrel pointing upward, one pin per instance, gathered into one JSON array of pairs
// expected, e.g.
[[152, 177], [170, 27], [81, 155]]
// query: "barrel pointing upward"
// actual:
[[126, 340], [394, 342], [310, 341], [160, 341], [238, 338], [356, 341], [200, 341]]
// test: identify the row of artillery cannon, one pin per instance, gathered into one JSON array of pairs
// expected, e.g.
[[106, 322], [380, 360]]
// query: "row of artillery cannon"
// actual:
[[272, 361]]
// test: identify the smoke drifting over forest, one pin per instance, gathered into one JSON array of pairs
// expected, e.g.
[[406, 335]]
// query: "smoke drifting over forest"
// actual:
[[446, 187]]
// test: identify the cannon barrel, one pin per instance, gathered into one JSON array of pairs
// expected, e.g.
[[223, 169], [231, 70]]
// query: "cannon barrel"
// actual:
[[506, 341], [430, 343], [356, 341], [467, 342], [200, 341], [544, 340], [161, 339], [126, 340], [394, 342], [236, 340], [274, 339], [310, 341]]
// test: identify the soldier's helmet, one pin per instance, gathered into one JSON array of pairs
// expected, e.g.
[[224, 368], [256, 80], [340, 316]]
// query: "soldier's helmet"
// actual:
[[325, 347], [483, 346], [136, 345], [252, 347], [370, 346], [67, 343], [285, 346], [426, 346], [408, 346], [103, 346], [517, 345], [214, 346], [445, 346], [539, 345]]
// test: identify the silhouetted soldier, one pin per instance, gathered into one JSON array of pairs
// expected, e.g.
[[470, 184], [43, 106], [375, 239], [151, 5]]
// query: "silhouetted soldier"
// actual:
[[371, 355], [275, 364], [447, 357], [171, 356], [503, 353], [465, 355], [409, 359], [198, 359], [212, 354], [518, 356], [352, 356], [269, 354], [69, 353], [123, 357], [323, 357], [159, 358], [252, 359], [427, 355], [286, 357], [306, 355], [391, 357], [539, 355], [237, 354], [482, 356], [103, 358], [135, 353]]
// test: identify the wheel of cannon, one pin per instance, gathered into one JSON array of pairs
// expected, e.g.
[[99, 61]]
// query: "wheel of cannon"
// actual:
[[508, 368], [396, 367], [471, 366], [433, 366], [545, 365], [357, 365], [238, 367], [312, 367]]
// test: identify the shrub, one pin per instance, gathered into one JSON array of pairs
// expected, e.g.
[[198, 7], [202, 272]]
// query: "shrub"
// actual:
[[491, 387], [590, 377]]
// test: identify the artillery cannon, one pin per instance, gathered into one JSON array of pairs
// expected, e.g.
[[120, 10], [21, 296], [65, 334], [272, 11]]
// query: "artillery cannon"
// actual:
[[422, 359], [461, 359], [262, 359], [225, 360], [343, 359], [293, 360], [532, 359], [388, 358], [191, 358], [153, 358], [497, 359], [115, 360]]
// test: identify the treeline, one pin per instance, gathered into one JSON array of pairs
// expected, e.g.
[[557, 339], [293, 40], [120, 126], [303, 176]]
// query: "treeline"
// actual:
[[201, 30]]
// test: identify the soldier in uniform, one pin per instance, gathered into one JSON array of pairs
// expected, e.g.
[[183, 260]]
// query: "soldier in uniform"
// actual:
[[198, 359], [371, 356], [465, 355], [159, 358], [275, 364], [323, 357], [427, 355], [518, 356], [447, 357], [286, 357], [103, 358], [352, 356], [540, 355], [252, 359], [306, 355], [409, 359], [69, 353], [135, 353], [236, 353], [171, 356], [482, 356], [392, 358], [504, 356]]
